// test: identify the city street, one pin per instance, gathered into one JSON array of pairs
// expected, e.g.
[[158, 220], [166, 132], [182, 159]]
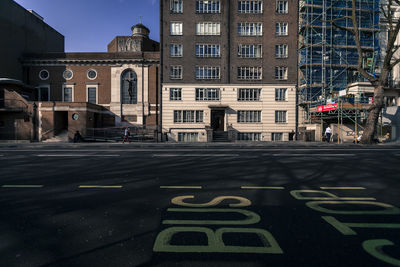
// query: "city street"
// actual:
[[200, 205]]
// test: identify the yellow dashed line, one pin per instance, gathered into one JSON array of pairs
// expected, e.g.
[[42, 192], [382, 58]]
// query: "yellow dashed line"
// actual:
[[343, 188], [263, 187], [179, 187], [21, 186], [101, 186]]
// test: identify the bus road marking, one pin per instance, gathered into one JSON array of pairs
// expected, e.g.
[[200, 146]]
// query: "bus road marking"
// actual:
[[263, 187], [179, 187], [101, 186], [195, 155], [22, 186], [76, 155], [310, 155]]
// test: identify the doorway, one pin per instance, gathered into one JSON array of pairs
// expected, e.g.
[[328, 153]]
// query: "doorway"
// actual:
[[217, 120]]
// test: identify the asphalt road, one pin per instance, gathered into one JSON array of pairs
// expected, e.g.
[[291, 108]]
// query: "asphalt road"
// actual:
[[129, 205]]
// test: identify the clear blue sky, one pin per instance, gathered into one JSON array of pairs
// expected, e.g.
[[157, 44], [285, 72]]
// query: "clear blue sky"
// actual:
[[89, 25]]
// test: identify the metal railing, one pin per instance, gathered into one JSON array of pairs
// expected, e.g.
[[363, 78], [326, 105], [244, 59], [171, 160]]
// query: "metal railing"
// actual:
[[137, 133]]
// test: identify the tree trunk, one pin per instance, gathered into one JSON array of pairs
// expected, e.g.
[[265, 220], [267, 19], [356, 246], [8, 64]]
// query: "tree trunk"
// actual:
[[373, 116]]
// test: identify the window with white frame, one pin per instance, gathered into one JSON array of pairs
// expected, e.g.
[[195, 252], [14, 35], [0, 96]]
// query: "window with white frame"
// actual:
[[188, 116], [175, 72], [44, 93], [250, 29], [207, 72], [175, 93], [280, 94], [248, 116], [188, 137], [281, 28], [249, 73], [281, 51], [176, 6], [208, 50], [250, 51], [249, 136], [68, 93], [281, 73], [282, 6], [249, 94], [92, 94], [207, 94], [280, 116], [208, 28], [176, 28], [208, 6], [250, 6], [176, 50], [276, 136]]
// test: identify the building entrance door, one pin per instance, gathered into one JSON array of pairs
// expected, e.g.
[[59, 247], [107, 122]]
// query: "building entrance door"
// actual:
[[217, 120]]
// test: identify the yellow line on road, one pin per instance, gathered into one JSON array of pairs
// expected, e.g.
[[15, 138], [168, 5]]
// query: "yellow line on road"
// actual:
[[101, 186], [22, 186], [343, 187], [262, 187], [179, 187]]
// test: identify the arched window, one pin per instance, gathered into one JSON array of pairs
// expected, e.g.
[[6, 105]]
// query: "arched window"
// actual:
[[128, 87]]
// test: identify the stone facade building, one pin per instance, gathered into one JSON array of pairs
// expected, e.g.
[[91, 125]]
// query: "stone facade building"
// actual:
[[229, 69]]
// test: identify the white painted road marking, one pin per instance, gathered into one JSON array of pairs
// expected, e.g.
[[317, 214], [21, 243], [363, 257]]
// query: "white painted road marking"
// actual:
[[263, 187], [75, 155], [101, 186], [179, 187], [195, 155], [343, 187], [22, 186], [310, 155]]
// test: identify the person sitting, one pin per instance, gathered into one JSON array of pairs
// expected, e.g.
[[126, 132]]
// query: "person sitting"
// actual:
[[77, 137]]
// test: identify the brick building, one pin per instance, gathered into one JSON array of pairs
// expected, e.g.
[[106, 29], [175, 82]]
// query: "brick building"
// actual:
[[229, 69]]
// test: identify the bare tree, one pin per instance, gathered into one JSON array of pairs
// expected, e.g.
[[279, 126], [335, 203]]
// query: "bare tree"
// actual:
[[389, 61]]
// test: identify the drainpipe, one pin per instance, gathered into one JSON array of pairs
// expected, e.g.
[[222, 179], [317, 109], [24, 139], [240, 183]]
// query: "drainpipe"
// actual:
[[143, 120]]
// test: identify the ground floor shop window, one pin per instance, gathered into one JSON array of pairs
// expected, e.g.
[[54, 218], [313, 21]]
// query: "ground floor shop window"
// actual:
[[188, 137], [249, 136], [277, 137]]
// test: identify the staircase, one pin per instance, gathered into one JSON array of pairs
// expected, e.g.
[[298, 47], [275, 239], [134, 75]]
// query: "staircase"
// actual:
[[220, 136]]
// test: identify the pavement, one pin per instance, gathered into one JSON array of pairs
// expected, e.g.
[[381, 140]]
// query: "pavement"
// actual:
[[141, 204]]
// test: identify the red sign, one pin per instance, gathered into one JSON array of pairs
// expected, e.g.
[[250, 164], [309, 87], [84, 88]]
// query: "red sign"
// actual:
[[327, 107]]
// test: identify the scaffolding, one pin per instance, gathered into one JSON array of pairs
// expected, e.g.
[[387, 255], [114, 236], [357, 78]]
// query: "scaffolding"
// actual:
[[328, 56]]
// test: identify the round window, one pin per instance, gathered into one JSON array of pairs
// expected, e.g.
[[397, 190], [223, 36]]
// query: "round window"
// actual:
[[75, 116], [44, 75], [68, 74], [92, 74]]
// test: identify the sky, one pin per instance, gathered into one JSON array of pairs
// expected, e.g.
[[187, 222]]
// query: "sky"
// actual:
[[89, 25]]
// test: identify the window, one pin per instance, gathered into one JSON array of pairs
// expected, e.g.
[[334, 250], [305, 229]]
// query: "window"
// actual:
[[176, 6], [281, 51], [44, 75], [250, 29], [92, 95], [276, 136], [249, 136], [176, 50], [250, 6], [249, 51], [207, 73], [249, 94], [68, 74], [68, 93], [176, 28], [188, 116], [249, 73], [188, 137], [280, 94], [175, 72], [208, 50], [249, 116], [44, 93], [91, 74], [281, 6], [175, 93], [129, 87], [207, 94], [280, 116], [208, 6], [208, 28], [281, 28], [281, 73]]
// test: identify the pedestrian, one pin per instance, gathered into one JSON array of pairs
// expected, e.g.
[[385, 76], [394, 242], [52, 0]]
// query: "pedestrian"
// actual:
[[126, 135], [328, 133], [77, 137]]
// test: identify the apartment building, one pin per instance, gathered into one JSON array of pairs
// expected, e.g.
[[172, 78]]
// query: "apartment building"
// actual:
[[229, 69]]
